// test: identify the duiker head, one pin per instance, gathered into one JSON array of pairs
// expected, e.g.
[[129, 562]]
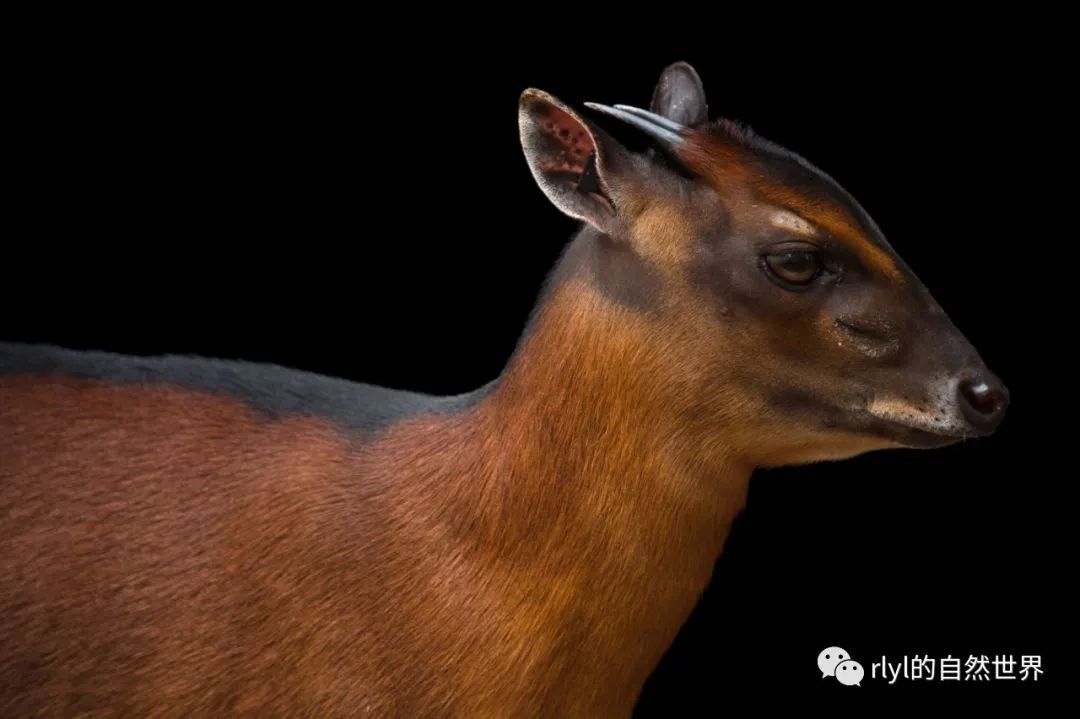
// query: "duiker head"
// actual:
[[769, 288]]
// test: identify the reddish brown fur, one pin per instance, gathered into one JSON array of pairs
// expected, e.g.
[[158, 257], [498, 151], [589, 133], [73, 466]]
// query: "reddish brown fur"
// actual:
[[157, 545], [168, 553]]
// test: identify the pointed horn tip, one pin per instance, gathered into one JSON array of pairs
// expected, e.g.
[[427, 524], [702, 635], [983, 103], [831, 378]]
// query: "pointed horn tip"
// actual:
[[657, 127], [615, 111]]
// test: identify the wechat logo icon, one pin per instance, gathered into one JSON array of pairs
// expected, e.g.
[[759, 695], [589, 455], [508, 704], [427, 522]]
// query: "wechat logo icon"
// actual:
[[836, 662]]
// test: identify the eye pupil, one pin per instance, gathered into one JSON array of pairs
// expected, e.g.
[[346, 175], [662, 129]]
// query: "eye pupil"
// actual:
[[796, 267]]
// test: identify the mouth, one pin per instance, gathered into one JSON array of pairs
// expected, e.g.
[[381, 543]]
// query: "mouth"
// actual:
[[899, 428], [933, 424], [911, 436], [898, 431]]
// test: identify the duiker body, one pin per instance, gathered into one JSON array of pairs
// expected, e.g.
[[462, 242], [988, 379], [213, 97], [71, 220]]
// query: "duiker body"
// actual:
[[182, 536]]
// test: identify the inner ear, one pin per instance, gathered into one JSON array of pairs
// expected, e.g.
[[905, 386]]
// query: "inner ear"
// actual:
[[569, 144], [568, 152]]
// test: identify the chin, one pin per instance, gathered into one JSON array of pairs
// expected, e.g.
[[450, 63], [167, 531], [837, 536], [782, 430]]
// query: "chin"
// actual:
[[844, 434], [830, 447], [900, 434], [921, 439], [839, 444]]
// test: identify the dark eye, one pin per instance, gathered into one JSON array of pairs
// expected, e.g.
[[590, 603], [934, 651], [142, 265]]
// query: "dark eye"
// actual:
[[795, 267]]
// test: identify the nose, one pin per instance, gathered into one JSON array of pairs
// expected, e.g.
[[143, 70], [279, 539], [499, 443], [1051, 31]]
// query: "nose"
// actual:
[[983, 399]]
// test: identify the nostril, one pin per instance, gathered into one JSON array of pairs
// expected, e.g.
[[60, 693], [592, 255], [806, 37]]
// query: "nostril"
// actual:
[[983, 400]]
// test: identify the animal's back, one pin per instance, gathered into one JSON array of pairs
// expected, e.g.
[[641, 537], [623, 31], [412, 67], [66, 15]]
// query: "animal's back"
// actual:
[[184, 533], [267, 388]]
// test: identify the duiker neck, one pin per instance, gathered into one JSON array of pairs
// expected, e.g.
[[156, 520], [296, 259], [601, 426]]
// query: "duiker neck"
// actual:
[[599, 377], [600, 480]]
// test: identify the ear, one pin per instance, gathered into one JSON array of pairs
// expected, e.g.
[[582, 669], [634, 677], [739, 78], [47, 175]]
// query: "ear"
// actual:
[[680, 96], [577, 165]]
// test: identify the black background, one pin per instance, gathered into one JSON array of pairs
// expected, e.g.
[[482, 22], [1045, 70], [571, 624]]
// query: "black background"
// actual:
[[310, 198]]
